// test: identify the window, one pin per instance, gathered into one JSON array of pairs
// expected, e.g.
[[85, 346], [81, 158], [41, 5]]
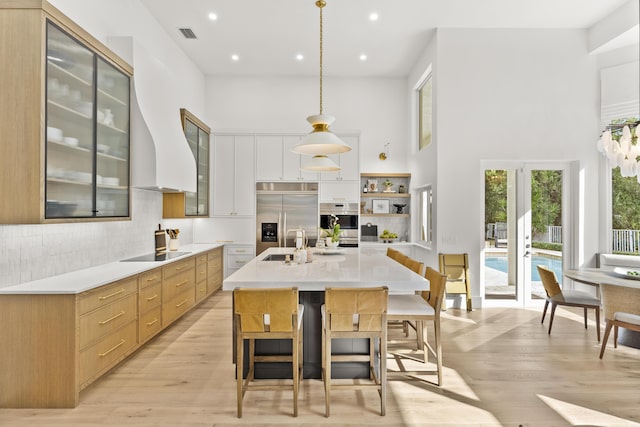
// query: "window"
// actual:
[[426, 215], [625, 215], [425, 113]]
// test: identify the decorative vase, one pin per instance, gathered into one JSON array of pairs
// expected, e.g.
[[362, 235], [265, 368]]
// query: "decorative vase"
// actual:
[[331, 244], [174, 244]]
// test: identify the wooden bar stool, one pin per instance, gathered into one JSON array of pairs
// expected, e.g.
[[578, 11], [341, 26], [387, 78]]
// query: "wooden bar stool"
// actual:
[[356, 313], [420, 308], [267, 314]]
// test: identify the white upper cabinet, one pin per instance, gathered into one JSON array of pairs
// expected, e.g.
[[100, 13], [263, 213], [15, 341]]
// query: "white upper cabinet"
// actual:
[[276, 161], [234, 178]]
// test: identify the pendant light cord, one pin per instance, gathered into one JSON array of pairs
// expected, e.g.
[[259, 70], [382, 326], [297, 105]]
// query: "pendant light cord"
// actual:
[[321, 4]]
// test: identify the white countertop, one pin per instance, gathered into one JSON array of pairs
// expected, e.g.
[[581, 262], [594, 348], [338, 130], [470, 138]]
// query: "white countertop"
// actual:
[[79, 281], [597, 276], [351, 267]]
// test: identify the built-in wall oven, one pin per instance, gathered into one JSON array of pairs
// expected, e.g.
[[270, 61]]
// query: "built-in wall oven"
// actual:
[[347, 214]]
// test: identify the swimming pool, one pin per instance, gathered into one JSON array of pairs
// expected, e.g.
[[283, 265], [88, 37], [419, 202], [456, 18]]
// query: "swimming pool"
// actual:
[[554, 264]]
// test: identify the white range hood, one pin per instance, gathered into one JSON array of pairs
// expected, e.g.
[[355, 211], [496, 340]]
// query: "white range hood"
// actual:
[[160, 155]]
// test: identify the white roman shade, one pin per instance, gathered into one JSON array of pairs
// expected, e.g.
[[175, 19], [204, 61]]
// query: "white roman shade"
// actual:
[[620, 92]]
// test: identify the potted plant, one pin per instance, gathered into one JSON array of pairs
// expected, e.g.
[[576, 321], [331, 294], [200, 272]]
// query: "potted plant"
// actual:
[[332, 234], [387, 185]]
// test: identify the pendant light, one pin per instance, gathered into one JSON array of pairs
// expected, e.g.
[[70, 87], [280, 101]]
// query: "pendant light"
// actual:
[[321, 141]]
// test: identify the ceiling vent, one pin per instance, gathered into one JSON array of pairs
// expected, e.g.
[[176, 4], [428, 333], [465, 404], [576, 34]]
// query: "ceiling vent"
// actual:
[[188, 33]]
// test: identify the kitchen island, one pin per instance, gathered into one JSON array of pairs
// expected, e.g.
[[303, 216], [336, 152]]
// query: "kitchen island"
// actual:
[[343, 267]]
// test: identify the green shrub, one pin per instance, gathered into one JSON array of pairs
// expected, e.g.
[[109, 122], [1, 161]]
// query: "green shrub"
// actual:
[[549, 246]]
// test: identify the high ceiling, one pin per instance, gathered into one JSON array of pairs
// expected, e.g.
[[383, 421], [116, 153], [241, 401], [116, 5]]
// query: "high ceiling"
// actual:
[[267, 35]]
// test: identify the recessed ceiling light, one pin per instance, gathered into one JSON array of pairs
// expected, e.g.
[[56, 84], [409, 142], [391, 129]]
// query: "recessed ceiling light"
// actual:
[[299, 57], [235, 57], [363, 57], [213, 16], [374, 16]]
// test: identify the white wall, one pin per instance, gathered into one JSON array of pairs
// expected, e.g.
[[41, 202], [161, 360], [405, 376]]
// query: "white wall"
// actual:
[[507, 95], [30, 252], [376, 107], [423, 164]]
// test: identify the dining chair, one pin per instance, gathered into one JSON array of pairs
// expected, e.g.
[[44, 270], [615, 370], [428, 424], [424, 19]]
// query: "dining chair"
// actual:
[[420, 308], [621, 309], [413, 265], [556, 296], [356, 313], [391, 253], [456, 268], [267, 314]]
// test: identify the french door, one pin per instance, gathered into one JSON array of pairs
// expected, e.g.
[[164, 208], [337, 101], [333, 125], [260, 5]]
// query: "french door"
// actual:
[[525, 206]]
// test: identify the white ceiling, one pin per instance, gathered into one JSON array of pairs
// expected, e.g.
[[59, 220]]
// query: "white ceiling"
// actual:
[[267, 35]]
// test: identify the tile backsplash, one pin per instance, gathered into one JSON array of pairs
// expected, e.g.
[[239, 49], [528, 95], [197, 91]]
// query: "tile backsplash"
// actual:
[[30, 252]]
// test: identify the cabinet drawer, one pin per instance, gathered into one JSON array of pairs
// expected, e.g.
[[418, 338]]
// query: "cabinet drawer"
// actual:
[[149, 297], [104, 295], [214, 267], [149, 323], [240, 250], [107, 319], [201, 290], [201, 259], [214, 283], [177, 284], [106, 353], [236, 261], [178, 267], [150, 278], [177, 306], [201, 272], [214, 254]]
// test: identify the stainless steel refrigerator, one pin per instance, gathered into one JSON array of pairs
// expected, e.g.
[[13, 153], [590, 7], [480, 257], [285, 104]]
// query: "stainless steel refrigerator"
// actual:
[[282, 208]]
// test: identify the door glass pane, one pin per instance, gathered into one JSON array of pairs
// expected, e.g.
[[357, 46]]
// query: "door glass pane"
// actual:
[[191, 198], [500, 251], [546, 226], [69, 132], [112, 141], [203, 173]]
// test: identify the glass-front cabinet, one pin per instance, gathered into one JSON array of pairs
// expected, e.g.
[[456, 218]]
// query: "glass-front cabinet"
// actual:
[[197, 134], [87, 131]]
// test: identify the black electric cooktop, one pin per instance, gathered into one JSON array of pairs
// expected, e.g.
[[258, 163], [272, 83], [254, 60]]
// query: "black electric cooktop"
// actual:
[[156, 257]]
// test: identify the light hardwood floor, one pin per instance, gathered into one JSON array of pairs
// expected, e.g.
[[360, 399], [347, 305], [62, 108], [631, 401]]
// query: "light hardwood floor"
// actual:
[[500, 369]]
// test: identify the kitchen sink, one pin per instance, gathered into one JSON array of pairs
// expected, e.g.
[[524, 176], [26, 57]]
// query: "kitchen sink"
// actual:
[[277, 257]]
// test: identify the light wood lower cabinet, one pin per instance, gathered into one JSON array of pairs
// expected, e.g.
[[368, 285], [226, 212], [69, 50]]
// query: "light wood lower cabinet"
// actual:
[[214, 270], [53, 346], [149, 304], [100, 357]]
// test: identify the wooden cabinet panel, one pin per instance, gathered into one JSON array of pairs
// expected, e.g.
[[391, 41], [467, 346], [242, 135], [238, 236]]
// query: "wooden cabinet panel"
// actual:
[[104, 295], [150, 278], [178, 305], [97, 359], [178, 267], [149, 324], [201, 290], [149, 297], [107, 319], [177, 284]]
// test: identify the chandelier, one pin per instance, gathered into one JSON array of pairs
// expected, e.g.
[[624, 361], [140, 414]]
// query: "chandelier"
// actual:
[[321, 141], [619, 143]]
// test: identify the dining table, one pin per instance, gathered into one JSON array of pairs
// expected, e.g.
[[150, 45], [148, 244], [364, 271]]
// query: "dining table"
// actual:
[[617, 277], [338, 267]]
